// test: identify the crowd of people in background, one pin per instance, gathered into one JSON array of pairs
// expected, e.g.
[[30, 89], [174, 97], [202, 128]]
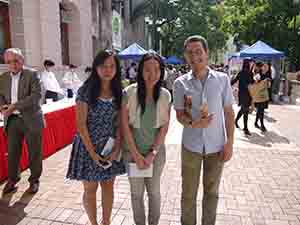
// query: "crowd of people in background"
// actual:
[[71, 80], [220, 67]]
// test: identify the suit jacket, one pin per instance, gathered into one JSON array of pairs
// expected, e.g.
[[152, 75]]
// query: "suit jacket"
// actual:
[[29, 96]]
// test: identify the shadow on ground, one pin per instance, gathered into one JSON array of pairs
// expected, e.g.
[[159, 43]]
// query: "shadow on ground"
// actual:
[[13, 214], [266, 139]]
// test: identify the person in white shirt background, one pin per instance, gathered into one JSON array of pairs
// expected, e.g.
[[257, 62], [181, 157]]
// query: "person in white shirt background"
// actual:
[[50, 82], [71, 81], [132, 73]]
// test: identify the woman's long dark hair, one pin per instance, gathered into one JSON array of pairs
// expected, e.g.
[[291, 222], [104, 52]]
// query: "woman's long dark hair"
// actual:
[[141, 86], [246, 65], [92, 86]]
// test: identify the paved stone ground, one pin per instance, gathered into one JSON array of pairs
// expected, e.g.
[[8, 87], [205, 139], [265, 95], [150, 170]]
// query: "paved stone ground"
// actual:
[[282, 117], [260, 186]]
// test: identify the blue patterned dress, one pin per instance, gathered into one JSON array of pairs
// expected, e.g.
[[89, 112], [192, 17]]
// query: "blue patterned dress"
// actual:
[[101, 123]]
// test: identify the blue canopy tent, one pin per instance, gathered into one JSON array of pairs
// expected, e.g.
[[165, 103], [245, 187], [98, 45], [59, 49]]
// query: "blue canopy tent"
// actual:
[[133, 52], [261, 50], [173, 60], [234, 55]]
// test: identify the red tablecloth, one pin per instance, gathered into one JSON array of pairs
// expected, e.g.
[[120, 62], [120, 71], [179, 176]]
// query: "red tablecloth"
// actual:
[[59, 132]]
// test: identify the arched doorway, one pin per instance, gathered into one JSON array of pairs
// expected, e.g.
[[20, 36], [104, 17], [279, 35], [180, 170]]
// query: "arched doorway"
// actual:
[[70, 33]]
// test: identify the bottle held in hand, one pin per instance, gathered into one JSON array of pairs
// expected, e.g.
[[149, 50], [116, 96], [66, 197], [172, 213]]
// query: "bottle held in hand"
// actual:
[[204, 110], [188, 105]]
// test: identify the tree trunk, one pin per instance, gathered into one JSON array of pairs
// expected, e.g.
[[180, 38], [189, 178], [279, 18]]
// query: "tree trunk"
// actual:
[[155, 33]]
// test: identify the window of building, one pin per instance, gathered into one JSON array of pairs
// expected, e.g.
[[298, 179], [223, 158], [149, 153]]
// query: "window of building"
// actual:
[[64, 29]]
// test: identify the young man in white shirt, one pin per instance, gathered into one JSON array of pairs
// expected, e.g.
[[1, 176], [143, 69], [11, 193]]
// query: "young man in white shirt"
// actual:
[[50, 82], [132, 73], [203, 102], [71, 81]]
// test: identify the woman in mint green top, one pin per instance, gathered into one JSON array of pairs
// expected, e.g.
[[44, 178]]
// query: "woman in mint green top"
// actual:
[[145, 135], [145, 121]]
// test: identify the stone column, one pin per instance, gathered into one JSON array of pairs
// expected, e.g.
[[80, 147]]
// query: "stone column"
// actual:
[[50, 31], [17, 24], [80, 33], [105, 34], [35, 29], [86, 32]]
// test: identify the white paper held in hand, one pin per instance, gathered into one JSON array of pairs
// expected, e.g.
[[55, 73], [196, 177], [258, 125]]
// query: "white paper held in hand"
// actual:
[[107, 149], [134, 171]]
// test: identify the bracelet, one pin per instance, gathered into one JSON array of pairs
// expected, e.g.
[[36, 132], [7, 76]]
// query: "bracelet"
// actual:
[[153, 150]]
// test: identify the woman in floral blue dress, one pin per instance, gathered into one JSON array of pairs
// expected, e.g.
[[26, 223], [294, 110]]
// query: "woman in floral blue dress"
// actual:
[[97, 116]]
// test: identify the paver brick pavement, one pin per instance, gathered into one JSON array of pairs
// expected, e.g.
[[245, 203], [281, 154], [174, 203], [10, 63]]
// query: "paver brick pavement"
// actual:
[[260, 186]]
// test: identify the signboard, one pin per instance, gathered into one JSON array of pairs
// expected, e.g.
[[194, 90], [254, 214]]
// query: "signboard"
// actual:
[[66, 16], [116, 30]]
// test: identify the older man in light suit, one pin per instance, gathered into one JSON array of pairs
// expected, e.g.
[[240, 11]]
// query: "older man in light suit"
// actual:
[[20, 95]]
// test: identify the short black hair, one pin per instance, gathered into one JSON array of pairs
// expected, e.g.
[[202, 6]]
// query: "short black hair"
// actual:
[[259, 64], [72, 66], [88, 69], [170, 66], [196, 38], [49, 63]]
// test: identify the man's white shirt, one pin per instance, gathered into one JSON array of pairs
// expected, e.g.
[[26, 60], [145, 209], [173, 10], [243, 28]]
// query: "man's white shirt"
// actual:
[[15, 78], [132, 73], [71, 80], [50, 82]]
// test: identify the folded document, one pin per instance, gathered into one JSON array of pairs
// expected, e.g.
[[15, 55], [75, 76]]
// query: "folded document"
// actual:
[[134, 171]]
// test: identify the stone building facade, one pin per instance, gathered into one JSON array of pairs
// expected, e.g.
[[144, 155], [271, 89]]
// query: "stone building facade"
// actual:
[[60, 30], [68, 31]]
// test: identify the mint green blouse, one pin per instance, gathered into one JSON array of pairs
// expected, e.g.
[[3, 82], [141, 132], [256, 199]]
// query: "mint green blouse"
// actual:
[[144, 136]]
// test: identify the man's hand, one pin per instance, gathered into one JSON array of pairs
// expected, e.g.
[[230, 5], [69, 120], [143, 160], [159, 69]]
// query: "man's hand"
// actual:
[[9, 110], [203, 122], [227, 152]]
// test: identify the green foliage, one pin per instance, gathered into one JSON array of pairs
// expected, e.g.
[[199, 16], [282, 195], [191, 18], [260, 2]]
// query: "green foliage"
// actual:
[[276, 22], [178, 19], [272, 21]]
